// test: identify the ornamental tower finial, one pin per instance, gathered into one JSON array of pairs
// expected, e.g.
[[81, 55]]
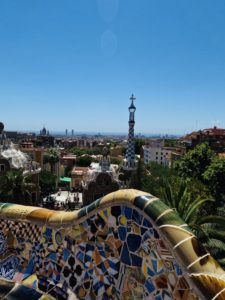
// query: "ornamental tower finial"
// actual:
[[130, 153], [132, 108]]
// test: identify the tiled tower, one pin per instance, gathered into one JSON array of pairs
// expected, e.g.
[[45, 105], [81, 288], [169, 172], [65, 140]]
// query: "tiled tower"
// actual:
[[4, 143], [129, 162]]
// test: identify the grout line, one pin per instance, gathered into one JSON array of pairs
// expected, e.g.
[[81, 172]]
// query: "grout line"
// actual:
[[197, 260], [216, 296], [183, 241]]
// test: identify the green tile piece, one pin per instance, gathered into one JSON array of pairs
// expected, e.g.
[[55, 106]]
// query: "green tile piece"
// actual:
[[140, 201], [170, 218], [82, 212], [155, 208], [93, 205]]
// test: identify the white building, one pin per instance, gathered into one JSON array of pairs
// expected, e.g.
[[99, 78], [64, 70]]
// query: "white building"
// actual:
[[160, 155]]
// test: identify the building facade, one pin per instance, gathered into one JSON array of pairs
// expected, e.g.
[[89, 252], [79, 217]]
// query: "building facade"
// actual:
[[101, 179], [159, 155], [215, 137]]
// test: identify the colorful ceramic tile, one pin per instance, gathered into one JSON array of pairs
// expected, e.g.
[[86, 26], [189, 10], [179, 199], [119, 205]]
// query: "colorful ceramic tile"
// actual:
[[119, 252]]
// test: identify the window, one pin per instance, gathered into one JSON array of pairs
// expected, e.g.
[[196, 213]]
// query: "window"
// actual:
[[156, 153], [156, 157], [2, 168]]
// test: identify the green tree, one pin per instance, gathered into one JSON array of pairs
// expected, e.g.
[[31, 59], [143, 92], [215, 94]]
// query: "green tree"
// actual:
[[136, 175], [115, 161], [214, 177], [182, 201], [68, 170], [47, 181], [210, 232], [124, 149], [84, 161], [52, 158], [80, 152], [15, 186], [195, 162], [170, 142], [138, 143], [209, 229], [153, 176]]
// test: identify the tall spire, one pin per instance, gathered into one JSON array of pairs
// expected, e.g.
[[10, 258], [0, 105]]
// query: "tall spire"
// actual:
[[4, 143], [130, 153], [2, 136]]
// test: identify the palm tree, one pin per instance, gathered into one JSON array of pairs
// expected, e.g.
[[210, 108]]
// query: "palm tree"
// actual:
[[52, 158], [209, 229], [182, 201], [15, 186]]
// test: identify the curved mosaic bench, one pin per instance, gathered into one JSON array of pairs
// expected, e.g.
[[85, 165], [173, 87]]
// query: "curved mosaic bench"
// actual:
[[127, 245]]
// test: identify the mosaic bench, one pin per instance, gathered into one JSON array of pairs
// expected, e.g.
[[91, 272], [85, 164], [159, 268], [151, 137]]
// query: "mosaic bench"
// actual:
[[127, 245]]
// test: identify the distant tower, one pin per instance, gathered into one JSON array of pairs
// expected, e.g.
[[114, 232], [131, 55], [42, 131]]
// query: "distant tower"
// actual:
[[43, 131], [2, 135], [105, 160], [72, 132], [4, 143], [130, 162], [66, 131]]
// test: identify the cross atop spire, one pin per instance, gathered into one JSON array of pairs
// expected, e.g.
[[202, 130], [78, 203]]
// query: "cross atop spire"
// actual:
[[132, 98], [132, 107]]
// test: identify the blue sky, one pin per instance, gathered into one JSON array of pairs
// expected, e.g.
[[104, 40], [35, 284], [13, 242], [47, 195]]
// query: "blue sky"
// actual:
[[74, 64]]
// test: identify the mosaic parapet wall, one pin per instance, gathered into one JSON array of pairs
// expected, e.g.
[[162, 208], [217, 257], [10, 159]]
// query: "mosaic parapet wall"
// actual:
[[127, 245]]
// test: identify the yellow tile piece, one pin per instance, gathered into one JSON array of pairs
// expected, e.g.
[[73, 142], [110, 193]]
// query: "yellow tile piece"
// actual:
[[29, 280], [81, 293], [123, 220]]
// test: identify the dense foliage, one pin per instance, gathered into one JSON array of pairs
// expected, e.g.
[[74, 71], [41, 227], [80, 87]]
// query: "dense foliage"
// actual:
[[138, 143], [15, 187], [202, 164], [47, 182], [52, 157], [214, 177], [84, 161], [195, 188], [80, 152], [115, 161], [195, 162], [170, 142]]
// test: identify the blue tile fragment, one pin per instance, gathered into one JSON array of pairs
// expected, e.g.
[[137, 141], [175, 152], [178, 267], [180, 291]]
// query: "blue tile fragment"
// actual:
[[133, 242], [136, 260], [146, 223], [80, 256], [137, 217], [149, 285], [125, 257], [177, 268], [122, 232], [128, 212], [143, 230]]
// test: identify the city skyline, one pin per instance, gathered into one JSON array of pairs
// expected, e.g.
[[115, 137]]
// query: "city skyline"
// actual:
[[74, 65]]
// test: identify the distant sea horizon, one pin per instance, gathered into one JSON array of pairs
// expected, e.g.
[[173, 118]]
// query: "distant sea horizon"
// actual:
[[102, 134]]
